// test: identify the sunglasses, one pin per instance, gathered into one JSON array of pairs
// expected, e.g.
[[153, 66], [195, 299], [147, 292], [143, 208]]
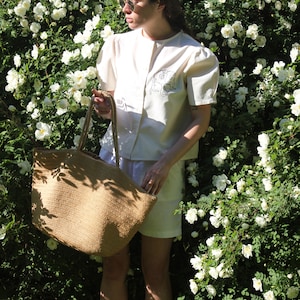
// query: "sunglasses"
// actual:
[[130, 3]]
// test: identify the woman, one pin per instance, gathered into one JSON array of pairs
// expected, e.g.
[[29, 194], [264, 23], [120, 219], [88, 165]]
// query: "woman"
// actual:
[[164, 83]]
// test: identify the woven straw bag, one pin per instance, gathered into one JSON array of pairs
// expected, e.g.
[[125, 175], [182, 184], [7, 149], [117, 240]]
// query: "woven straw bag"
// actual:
[[82, 201]]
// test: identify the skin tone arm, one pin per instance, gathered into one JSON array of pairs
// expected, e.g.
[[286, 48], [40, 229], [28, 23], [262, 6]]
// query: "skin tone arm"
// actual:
[[156, 176]]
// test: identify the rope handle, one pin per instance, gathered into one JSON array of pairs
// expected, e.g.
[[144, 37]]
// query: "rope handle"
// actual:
[[88, 116]]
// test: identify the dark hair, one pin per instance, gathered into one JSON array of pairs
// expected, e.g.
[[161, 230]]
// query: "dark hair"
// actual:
[[174, 15]]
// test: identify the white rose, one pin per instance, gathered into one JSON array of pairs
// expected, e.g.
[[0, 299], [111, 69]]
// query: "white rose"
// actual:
[[2, 232], [232, 193], [216, 253], [261, 221], [294, 53], [54, 87], [17, 60], [264, 205], [58, 14], [30, 106], [196, 263], [39, 11], [35, 52], [232, 43], [26, 4], [106, 32], [201, 212], [35, 27], [220, 181], [24, 23], [191, 215], [264, 140], [269, 295], [227, 31], [91, 72], [213, 272], [44, 35], [267, 184], [14, 80], [43, 131], [238, 27], [20, 10], [257, 284], [211, 290], [200, 275], [193, 286], [295, 108], [86, 51], [78, 79], [240, 185], [35, 114], [247, 250], [80, 38], [66, 57], [278, 65], [257, 70], [252, 32], [210, 241]]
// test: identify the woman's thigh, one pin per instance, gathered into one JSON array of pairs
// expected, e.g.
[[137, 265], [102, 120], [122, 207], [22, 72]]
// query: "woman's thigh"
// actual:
[[155, 255]]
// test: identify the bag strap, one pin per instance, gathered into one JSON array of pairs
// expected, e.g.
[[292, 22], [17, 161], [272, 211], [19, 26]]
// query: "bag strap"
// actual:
[[87, 121]]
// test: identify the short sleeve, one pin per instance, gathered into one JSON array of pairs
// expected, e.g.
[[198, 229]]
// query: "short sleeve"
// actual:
[[105, 65], [202, 77]]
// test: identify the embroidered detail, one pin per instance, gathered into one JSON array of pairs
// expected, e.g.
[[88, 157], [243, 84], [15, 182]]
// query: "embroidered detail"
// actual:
[[163, 82]]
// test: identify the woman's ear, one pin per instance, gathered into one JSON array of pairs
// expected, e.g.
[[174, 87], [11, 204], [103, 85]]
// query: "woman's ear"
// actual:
[[161, 6]]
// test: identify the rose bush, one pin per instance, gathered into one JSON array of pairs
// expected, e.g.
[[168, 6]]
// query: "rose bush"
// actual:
[[241, 211], [48, 52], [244, 204]]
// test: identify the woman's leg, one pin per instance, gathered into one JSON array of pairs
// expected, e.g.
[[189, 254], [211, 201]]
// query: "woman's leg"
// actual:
[[115, 269], [155, 266]]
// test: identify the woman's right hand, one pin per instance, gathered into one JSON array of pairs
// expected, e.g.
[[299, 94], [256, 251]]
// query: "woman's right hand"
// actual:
[[101, 104]]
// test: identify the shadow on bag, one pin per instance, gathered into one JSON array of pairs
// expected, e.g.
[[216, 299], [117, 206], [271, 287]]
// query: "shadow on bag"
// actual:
[[84, 202]]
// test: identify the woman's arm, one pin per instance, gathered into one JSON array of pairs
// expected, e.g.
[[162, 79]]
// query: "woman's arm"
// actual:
[[156, 176]]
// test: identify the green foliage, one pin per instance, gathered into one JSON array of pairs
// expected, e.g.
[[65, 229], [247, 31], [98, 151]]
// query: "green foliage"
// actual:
[[39, 91], [244, 203], [241, 212]]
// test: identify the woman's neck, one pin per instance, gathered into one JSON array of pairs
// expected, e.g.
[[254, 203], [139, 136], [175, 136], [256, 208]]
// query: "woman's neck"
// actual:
[[162, 32]]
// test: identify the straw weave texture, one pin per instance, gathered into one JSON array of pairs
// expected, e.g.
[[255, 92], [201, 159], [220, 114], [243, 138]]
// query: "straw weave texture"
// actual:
[[82, 201], [85, 203]]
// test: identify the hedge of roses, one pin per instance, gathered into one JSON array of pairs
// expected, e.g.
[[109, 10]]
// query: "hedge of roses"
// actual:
[[241, 212]]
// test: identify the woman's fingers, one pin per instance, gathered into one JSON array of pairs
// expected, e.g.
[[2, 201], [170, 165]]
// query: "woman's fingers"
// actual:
[[101, 104]]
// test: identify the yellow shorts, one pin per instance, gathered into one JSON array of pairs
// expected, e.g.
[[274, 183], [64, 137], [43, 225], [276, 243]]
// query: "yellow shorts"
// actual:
[[162, 222]]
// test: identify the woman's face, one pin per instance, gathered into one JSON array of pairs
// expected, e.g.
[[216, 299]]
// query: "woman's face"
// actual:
[[139, 13]]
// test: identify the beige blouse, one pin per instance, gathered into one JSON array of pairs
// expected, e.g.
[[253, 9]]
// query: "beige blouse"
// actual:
[[154, 84]]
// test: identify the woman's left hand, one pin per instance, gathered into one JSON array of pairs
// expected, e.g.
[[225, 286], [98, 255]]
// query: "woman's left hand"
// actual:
[[155, 178]]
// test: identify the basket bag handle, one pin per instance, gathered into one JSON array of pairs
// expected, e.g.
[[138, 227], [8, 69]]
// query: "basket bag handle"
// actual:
[[86, 124]]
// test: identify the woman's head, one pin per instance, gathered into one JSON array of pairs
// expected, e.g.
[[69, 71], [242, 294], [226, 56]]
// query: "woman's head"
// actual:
[[148, 13]]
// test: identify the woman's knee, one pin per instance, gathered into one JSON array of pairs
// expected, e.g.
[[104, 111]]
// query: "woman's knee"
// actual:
[[116, 267], [155, 274]]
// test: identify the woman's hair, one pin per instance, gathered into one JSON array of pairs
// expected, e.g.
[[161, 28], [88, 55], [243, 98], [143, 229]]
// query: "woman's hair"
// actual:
[[174, 15]]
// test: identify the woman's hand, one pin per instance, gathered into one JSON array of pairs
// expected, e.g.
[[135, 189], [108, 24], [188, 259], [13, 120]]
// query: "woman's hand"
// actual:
[[101, 103], [155, 177]]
